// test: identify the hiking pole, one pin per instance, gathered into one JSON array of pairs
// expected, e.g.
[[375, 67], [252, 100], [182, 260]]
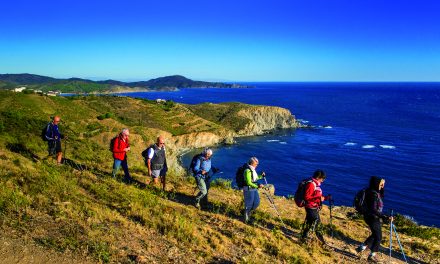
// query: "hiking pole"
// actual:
[[331, 216], [272, 202], [393, 229], [398, 241], [391, 235]]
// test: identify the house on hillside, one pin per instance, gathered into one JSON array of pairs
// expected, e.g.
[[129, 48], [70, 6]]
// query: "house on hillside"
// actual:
[[53, 93], [19, 89], [160, 101]]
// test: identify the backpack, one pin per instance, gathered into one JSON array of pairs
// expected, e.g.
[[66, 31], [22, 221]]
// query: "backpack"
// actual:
[[359, 202], [44, 131], [112, 143], [193, 163], [239, 175], [300, 192]]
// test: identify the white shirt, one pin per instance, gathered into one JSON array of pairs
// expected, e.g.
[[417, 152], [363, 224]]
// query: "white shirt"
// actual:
[[151, 152], [254, 173]]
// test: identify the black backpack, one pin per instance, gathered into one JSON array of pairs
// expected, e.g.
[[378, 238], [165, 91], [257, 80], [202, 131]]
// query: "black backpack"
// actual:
[[112, 143], [44, 131], [193, 163], [359, 202], [239, 175], [300, 192]]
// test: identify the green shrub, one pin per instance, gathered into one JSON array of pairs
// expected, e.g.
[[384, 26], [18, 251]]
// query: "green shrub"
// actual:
[[168, 105], [222, 183], [12, 199], [408, 226], [105, 116], [100, 250]]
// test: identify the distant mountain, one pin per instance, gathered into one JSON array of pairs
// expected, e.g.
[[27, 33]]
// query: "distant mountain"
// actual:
[[83, 85], [26, 78], [175, 81], [113, 82]]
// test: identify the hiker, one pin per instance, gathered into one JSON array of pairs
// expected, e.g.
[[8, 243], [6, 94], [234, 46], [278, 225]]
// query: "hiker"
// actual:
[[53, 137], [374, 204], [250, 189], [121, 146], [203, 171], [157, 162], [313, 198]]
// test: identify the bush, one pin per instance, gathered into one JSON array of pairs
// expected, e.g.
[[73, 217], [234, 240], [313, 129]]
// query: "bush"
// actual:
[[105, 116], [168, 105], [222, 183], [408, 226]]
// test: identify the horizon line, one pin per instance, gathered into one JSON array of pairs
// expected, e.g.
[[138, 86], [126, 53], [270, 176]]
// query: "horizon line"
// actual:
[[127, 80]]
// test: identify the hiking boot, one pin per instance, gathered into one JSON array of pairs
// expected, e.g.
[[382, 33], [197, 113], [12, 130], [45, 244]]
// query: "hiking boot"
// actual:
[[373, 259], [360, 249]]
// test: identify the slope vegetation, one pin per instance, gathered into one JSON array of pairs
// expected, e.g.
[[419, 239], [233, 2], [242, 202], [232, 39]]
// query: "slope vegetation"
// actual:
[[77, 213]]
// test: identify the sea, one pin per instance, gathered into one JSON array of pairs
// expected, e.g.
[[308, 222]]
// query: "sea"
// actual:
[[390, 130]]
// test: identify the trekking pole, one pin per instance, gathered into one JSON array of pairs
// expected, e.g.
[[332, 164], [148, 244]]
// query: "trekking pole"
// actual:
[[272, 203], [331, 217], [398, 241], [391, 235]]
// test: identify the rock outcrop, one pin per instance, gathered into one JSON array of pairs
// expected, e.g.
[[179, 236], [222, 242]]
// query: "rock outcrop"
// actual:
[[266, 118]]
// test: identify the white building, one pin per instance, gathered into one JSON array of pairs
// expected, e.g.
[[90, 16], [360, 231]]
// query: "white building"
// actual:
[[19, 89], [53, 93]]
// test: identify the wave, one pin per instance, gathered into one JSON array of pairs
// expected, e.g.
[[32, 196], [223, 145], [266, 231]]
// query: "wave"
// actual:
[[350, 144], [387, 146], [272, 140], [368, 146], [328, 127], [283, 142]]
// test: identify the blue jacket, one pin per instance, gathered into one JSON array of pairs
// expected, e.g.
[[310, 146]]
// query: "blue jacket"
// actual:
[[203, 164], [52, 133]]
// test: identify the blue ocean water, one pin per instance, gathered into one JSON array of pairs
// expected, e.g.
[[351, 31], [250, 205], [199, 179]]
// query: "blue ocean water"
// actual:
[[389, 130]]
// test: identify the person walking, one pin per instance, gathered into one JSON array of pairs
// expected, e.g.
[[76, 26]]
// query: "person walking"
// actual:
[[203, 172], [250, 189], [313, 198], [156, 162], [120, 148], [373, 217], [53, 137]]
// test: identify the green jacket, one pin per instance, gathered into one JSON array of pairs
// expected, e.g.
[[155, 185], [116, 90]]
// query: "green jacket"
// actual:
[[248, 179]]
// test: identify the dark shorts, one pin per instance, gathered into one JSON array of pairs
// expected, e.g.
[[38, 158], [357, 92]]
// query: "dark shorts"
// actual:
[[54, 147]]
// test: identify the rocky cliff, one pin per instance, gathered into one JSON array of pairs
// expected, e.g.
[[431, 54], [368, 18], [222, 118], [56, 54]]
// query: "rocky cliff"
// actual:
[[255, 120], [266, 118]]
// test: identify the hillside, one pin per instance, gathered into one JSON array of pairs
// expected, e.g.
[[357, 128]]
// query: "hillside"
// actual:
[[78, 85], [76, 213]]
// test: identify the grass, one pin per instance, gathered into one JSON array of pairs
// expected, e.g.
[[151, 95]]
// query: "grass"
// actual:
[[224, 114], [91, 214], [408, 226]]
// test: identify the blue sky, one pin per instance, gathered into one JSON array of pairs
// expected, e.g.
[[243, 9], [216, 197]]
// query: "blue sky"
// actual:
[[291, 40]]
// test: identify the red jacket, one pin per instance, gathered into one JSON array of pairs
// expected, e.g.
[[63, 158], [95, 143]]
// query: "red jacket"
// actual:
[[313, 194], [119, 146]]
